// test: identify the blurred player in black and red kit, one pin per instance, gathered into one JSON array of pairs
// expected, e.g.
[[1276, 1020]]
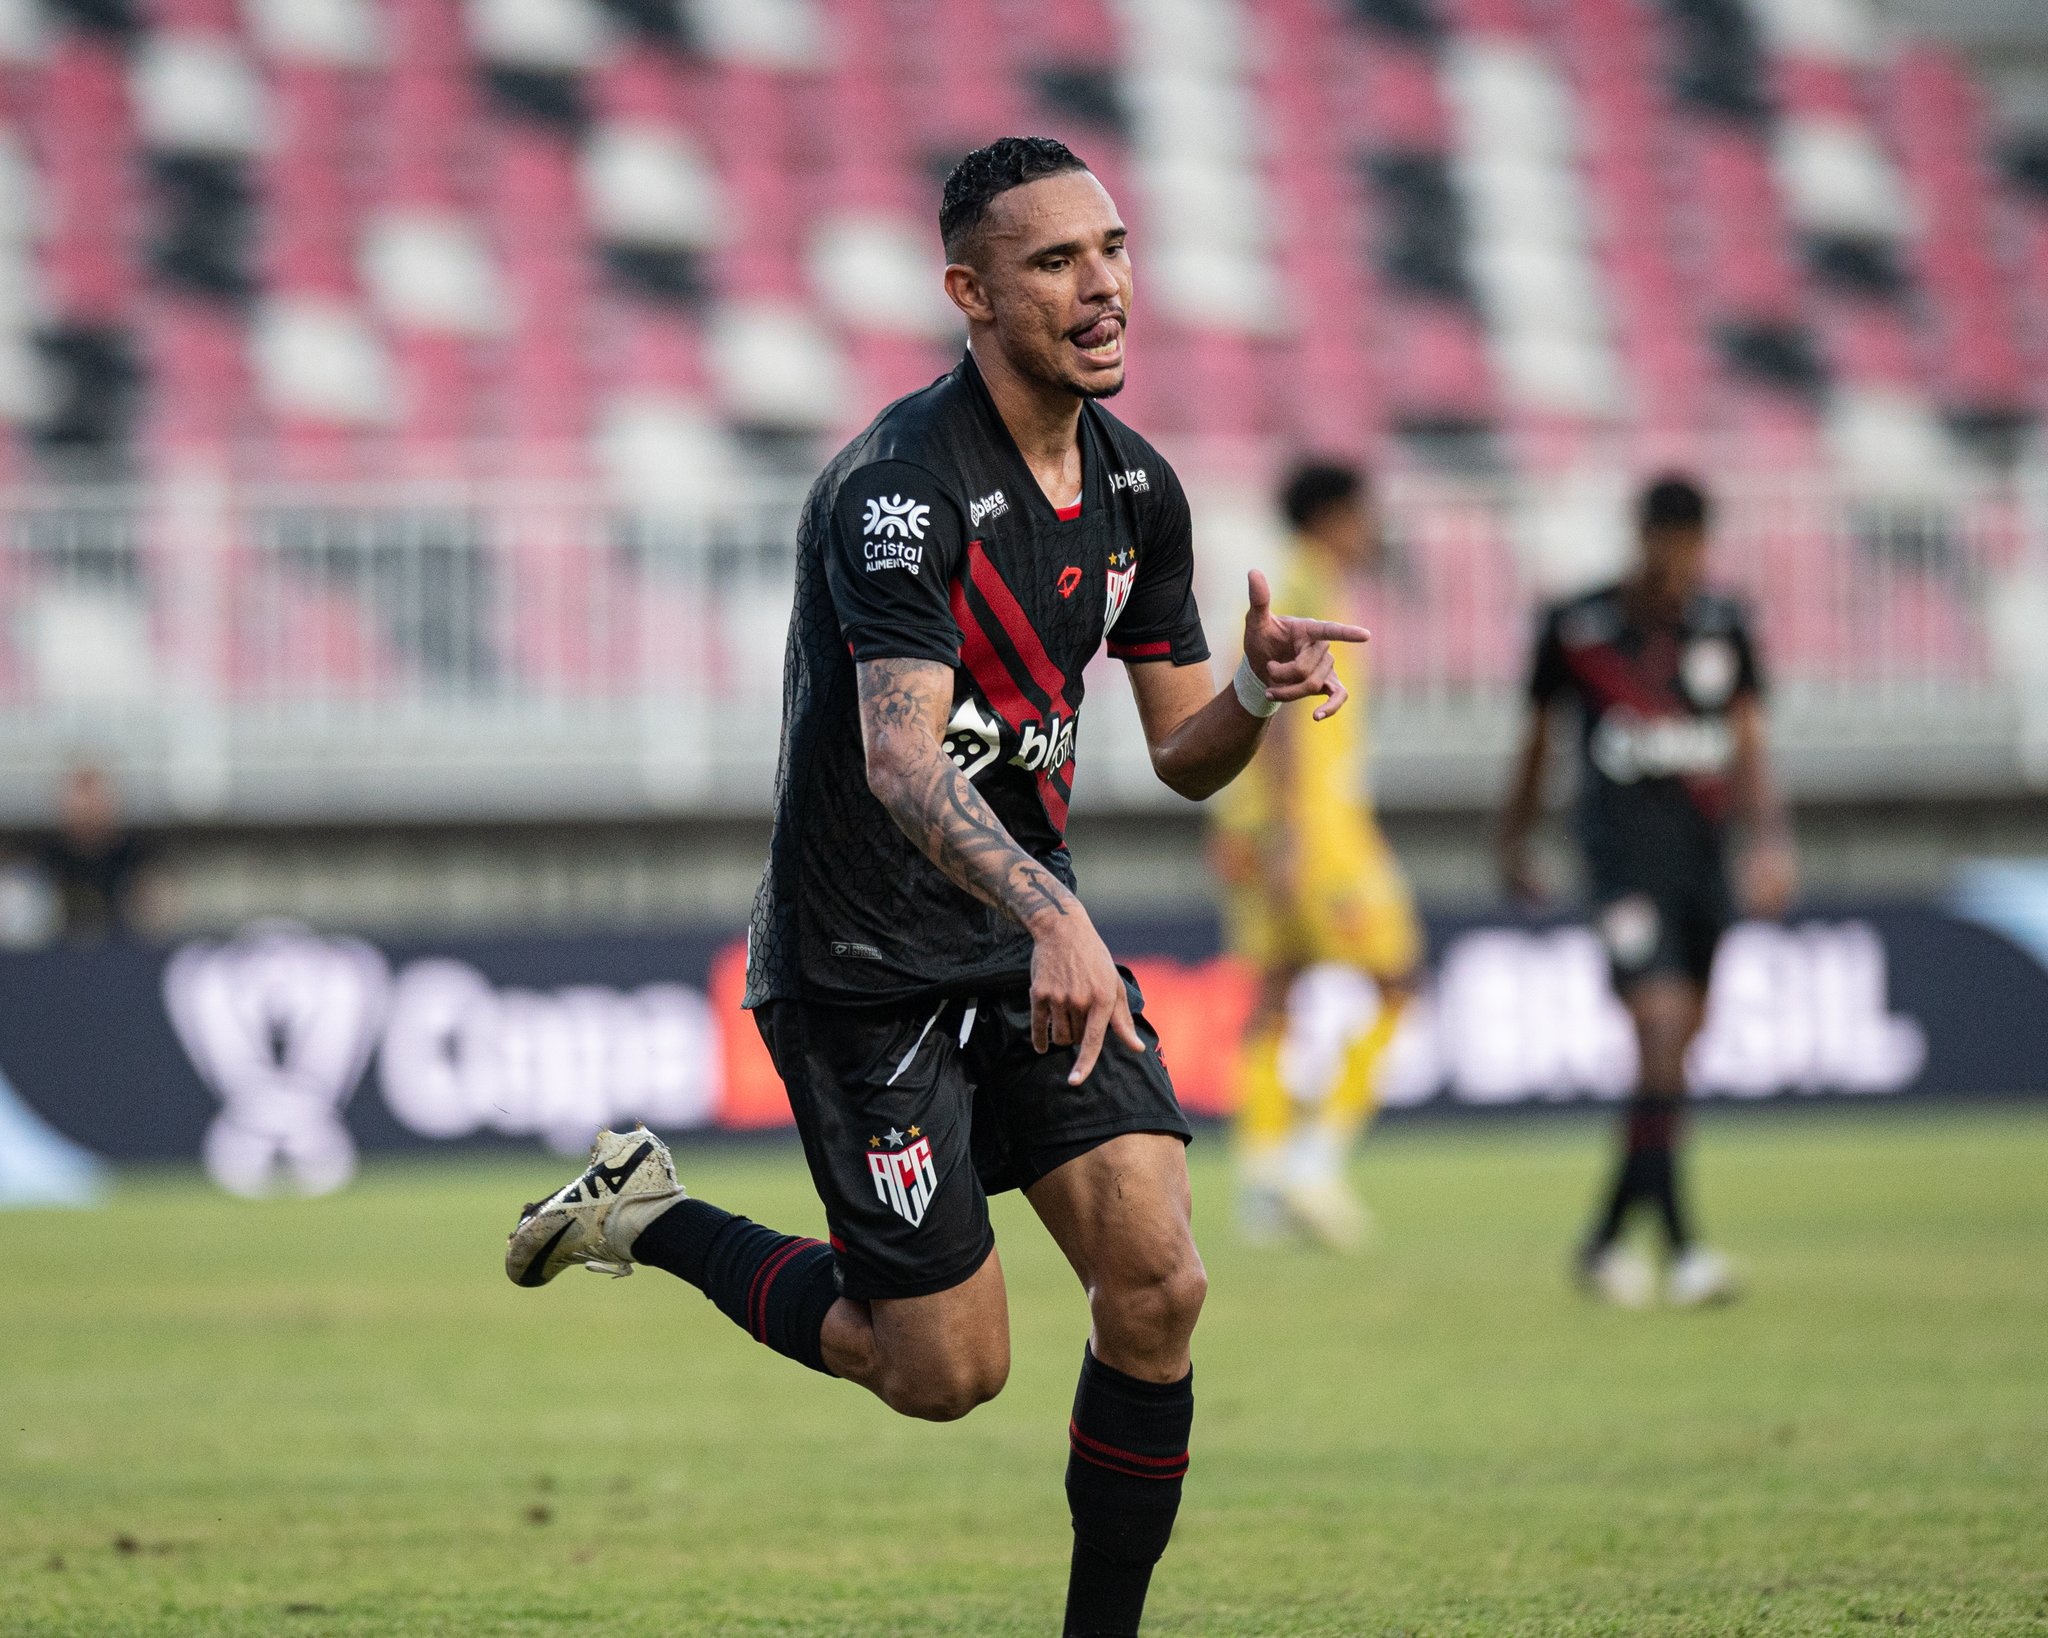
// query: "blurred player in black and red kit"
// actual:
[[1665, 681], [945, 1018]]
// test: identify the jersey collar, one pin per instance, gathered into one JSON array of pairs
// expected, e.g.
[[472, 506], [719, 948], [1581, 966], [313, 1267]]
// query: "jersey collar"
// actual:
[[1035, 500]]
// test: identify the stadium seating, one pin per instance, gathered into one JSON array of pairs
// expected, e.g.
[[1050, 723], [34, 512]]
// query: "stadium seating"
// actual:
[[368, 236], [658, 243]]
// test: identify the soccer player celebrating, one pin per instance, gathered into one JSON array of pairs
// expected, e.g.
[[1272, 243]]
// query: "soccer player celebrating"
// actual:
[[1668, 693], [1310, 881], [945, 1018]]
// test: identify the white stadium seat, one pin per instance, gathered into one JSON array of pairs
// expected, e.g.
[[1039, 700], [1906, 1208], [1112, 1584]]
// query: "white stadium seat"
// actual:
[[1192, 114], [430, 270], [782, 34], [878, 274], [1840, 30], [22, 35], [664, 449], [318, 360], [1216, 289], [1193, 201], [545, 34], [1890, 444], [25, 392], [1837, 181], [776, 368], [341, 33], [196, 93], [650, 184], [1559, 371], [1508, 99]]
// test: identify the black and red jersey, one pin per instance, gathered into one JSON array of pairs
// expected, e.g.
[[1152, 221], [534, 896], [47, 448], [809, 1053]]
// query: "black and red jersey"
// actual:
[[1655, 741], [928, 538]]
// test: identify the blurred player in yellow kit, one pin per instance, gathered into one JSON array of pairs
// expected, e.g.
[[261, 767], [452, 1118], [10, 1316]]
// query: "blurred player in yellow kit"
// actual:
[[1310, 882]]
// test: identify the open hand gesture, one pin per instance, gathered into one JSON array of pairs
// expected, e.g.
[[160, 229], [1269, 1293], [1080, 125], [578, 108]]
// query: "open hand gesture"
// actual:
[[1291, 656]]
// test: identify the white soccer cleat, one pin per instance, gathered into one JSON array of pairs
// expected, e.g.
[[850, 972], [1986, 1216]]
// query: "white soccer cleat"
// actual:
[[1262, 1217], [1330, 1213], [1619, 1276], [1700, 1278], [626, 1168]]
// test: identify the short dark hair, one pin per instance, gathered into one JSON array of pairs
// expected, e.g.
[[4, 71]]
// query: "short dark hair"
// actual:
[[1673, 502], [986, 174], [1313, 485]]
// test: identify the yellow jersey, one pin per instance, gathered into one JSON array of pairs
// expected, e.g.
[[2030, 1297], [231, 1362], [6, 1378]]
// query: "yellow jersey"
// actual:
[[1322, 780], [1346, 899]]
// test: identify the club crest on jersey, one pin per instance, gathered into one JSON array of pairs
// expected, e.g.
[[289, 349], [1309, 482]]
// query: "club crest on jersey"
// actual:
[[905, 1177], [1069, 581], [895, 518], [1123, 575], [1709, 668]]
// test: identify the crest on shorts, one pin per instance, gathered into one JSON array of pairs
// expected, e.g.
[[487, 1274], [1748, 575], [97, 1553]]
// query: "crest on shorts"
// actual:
[[905, 1178]]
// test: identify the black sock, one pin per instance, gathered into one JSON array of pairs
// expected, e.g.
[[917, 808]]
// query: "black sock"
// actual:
[[1644, 1171], [776, 1287], [1129, 1452], [1622, 1193], [1666, 1188]]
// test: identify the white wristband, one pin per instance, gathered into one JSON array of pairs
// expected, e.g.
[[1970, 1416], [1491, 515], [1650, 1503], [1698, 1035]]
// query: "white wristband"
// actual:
[[1251, 693]]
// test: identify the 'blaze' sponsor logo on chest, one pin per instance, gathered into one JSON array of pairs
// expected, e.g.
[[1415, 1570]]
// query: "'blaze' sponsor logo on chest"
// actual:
[[1134, 478], [992, 505], [1123, 574], [905, 1177], [974, 739]]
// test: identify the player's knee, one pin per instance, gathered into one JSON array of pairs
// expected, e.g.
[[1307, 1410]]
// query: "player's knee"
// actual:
[[946, 1391], [1154, 1308]]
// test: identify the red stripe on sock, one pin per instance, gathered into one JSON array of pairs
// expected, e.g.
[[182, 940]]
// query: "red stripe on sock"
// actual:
[[763, 1282], [1127, 1462]]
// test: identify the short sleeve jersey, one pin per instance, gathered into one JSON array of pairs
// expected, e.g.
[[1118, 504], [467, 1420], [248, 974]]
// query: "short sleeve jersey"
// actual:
[[928, 538], [1653, 700]]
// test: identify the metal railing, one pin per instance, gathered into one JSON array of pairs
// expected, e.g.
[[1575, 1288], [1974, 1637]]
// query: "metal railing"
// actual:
[[537, 648]]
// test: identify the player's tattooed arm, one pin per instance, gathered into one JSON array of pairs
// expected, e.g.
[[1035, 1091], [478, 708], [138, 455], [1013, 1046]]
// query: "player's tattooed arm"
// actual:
[[903, 707], [1077, 994]]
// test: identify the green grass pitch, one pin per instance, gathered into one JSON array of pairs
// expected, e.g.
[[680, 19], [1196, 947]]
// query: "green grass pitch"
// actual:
[[337, 1417]]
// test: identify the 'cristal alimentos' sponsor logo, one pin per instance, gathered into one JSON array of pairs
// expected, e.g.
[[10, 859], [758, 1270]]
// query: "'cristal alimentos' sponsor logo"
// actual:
[[893, 525]]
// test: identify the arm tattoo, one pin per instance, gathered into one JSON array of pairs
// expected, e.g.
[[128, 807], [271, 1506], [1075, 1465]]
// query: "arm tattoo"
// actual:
[[902, 704]]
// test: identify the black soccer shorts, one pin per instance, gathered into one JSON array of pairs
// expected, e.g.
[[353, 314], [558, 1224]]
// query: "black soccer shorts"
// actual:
[[912, 1115], [1662, 923]]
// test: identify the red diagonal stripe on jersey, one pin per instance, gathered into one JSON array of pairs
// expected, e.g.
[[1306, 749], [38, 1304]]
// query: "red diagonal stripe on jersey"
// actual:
[[986, 666], [1055, 803], [1017, 627], [1607, 675]]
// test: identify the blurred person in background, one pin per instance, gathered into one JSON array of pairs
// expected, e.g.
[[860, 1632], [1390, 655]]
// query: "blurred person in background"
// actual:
[[1310, 881], [1665, 682], [97, 870]]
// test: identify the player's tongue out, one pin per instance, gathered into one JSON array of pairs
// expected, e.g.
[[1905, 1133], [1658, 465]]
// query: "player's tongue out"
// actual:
[[1100, 339]]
